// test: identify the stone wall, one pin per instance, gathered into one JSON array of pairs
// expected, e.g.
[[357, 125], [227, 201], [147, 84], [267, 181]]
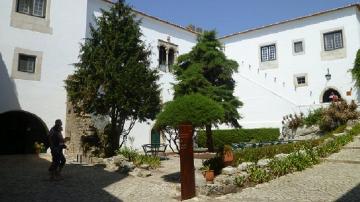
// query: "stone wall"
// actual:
[[76, 126]]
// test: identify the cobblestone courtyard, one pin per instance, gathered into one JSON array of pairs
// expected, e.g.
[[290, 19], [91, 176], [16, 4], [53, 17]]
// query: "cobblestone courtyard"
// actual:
[[24, 178]]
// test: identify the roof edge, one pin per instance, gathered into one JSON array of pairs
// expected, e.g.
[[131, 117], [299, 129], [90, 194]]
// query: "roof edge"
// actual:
[[291, 20], [158, 19]]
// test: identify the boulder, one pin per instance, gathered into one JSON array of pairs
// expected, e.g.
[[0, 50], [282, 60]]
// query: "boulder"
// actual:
[[281, 156], [119, 159], [228, 170], [97, 160], [263, 162], [145, 166], [224, 179], [217, 189], [244, 166]]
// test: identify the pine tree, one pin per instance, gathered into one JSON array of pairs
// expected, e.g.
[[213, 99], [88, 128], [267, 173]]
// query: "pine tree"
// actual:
[[356, 70], [113, 77], [206, 70]]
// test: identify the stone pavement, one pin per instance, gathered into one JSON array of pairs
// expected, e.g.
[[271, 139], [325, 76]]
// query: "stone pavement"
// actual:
[[336, 179], [24, 178]]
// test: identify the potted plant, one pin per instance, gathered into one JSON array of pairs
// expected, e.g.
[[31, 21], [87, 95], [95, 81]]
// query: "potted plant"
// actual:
[[228, 155], [39, 147], [208, 173]]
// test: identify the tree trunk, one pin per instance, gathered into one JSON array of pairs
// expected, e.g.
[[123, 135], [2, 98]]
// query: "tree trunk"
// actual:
[[209, 139], [113, 140]]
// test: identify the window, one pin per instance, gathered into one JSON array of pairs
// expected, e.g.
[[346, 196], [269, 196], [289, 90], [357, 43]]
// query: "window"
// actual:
[[162, 58], [32, 7], [298, 47], [301, 80], [333, 40], [268, 53], [26, 63]]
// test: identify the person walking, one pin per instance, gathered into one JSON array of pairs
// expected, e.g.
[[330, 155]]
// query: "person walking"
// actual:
[[57, 144]]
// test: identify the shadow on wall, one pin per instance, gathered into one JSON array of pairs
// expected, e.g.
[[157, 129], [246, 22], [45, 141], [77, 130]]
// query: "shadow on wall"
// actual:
[[8, 95]]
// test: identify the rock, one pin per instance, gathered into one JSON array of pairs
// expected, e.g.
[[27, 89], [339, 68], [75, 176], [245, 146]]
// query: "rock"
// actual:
[[244, 174], [224, 179], [119, 159], [339, 134], [144, 173], [281, 156], [97, 160], [244, 166], [126, 167], [217, 189], [228, 170], [145, 166], [351, 123], [263, 162]]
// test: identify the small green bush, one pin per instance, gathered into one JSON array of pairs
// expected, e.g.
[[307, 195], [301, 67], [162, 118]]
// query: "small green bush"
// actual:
[[128, 153], [227, 137], [258, 175], [313, 117], [240, 180], [152, 161]]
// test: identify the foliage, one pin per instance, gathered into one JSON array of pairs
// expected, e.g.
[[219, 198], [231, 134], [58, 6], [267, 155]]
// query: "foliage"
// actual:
[[258, 175], [113, 77], [355, 71], [294, 121], [152, 161], [216, 163], [206, 70], [128, 153], [40, 147], [338, 113], [240, 180], [223, 137], [195, 109], [314, 117], [139, 159]]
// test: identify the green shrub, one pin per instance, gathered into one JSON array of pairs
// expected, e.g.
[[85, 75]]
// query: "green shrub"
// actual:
[[313, 117], [258, 175], [240, 180], [128, 153], [280, 167], [152, 161], [227, 137]]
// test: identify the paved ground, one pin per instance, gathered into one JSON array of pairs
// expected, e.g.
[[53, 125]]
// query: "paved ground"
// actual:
[[24, 178], [336, 179]]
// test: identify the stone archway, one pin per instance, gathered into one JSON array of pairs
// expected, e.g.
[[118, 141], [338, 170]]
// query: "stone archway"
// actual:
[[326, 95], [19, 131]]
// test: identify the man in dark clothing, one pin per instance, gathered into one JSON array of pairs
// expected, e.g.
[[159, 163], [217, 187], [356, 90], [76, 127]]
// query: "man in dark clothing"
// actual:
[[57, 144]]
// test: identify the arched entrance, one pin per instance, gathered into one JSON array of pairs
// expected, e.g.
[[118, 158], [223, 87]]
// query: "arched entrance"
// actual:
[[326, 97], [19, 131]]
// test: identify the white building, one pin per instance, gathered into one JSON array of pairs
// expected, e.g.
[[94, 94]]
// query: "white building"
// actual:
[[282, 66]]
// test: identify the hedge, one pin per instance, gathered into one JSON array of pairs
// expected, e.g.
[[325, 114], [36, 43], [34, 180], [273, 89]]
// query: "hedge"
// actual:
[[223, 137]]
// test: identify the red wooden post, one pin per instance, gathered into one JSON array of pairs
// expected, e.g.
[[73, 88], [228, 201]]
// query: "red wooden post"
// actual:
[[187, 170]]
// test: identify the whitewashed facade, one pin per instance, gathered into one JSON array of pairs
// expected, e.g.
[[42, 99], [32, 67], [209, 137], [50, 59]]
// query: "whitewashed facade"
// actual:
[[269, 89]]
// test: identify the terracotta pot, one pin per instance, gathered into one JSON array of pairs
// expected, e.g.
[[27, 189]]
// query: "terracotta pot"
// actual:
[[228, 158], [209, 175]]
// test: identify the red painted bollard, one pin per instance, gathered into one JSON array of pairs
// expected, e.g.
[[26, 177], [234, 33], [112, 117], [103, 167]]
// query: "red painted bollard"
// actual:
[[187, 173]]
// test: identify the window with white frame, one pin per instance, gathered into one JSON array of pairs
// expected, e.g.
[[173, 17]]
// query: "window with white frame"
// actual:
[[298, 47], [333, 40], [268, 53], [32, 7], [26, 63]]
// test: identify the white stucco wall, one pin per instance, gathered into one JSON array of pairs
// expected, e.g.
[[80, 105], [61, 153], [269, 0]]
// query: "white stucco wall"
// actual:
[[282, 97], [45, 98], [153, 31]]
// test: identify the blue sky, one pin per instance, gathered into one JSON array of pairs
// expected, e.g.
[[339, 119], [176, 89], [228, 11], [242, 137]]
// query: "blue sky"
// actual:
[[229, 16]]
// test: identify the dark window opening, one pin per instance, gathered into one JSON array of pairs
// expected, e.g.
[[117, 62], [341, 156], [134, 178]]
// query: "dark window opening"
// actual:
[[333, 40], [31, 7], [268, 53], [328, 95], [298, 47], [26, 63], [171, 58]]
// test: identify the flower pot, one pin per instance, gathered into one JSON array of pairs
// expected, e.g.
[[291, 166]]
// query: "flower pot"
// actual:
[[228, 158], [209, 175]]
